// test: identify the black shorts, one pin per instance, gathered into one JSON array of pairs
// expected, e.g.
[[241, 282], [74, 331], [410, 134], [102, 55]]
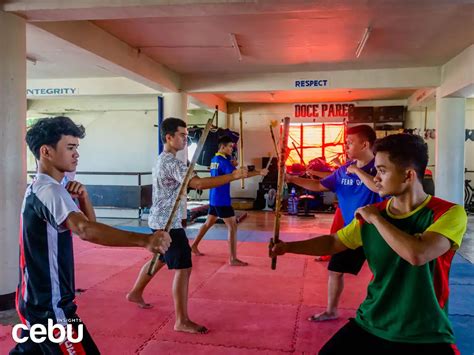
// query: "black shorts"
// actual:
[[86, 346], [178, 255], [352, 339], [348, 261], [221, 211]]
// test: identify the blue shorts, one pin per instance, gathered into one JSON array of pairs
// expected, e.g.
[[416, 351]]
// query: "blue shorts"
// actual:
[[221, 211], [178, 255]]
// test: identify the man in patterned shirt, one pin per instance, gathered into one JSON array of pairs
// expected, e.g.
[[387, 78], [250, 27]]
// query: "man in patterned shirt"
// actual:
[[409, 241], [168, 174], [49, 216]]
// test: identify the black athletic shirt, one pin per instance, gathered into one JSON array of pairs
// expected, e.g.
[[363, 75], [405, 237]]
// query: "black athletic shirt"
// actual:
[[46, 287]]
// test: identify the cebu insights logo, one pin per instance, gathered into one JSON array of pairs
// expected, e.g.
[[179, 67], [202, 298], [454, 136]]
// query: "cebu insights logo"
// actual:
[[56, 333]]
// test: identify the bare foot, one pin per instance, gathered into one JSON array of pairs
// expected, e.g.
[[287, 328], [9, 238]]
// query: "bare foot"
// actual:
[[190, 327], [138, 300], [196, 251], [237, 262], [324, 316]]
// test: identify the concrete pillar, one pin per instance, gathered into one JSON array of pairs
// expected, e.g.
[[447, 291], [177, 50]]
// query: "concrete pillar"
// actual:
[[176, 105], [12, 148], [449, 148]]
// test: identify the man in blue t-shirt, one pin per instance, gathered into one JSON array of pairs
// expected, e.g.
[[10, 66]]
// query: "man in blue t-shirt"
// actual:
[[220, 205], [354, 186]]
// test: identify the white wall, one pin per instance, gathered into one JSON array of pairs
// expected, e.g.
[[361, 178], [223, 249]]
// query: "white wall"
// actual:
[[416, 119], [120, 134], [257, 138], [469, 152]]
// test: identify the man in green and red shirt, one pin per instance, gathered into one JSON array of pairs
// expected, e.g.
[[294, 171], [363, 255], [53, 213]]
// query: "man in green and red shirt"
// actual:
[[409, 241]]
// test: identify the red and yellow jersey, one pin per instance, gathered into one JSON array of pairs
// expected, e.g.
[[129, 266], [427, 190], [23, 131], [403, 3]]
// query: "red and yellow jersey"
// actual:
[[407, 303]]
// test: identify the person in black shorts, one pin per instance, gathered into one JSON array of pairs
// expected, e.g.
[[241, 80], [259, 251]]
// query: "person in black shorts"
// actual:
[[410, 241], [49, 217], [354, 186], [168, 174], [220, 205]]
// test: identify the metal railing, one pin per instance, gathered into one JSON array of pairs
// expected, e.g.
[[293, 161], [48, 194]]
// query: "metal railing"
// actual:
[[111, 173], [137, 196]]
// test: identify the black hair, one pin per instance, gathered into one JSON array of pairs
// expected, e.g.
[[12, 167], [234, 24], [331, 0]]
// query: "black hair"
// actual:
[[365, 132], [49, 130], [170, 126], [224, 140], [405, 151]]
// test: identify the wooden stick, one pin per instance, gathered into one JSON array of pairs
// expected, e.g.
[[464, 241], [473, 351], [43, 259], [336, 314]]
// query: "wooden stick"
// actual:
[[281, 182], [274, 140], [241, 141], [268, 165], [273, 154], [299, 154], [182, 189], [269, 162]]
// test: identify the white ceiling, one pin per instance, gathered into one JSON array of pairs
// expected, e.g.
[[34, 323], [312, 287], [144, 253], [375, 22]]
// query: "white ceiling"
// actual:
[[56, 59], [319, 39], [192, 37]]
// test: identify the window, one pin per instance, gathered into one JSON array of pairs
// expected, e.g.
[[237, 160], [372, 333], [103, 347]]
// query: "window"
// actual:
[[316, 140]]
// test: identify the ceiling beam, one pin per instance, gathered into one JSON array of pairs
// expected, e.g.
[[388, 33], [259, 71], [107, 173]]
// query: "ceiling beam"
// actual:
[[50, 10], [209, 101], [409, 78], [120, 58], [86, 87], [457, 75], [421, 98], [73, 10]]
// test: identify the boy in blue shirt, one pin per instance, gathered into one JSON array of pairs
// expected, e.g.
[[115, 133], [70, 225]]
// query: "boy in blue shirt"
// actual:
[[354, 187], [220, 205]]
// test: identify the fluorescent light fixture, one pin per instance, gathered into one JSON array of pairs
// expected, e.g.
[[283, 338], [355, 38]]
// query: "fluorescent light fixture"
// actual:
[[363, 41], [31, 60], [233, 40]]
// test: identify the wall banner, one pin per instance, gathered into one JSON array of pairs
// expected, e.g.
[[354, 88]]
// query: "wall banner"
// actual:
[[62, 91], [315, 112]]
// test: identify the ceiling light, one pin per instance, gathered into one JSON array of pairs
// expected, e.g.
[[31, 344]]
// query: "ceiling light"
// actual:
[[233, 40], [363, 41]]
